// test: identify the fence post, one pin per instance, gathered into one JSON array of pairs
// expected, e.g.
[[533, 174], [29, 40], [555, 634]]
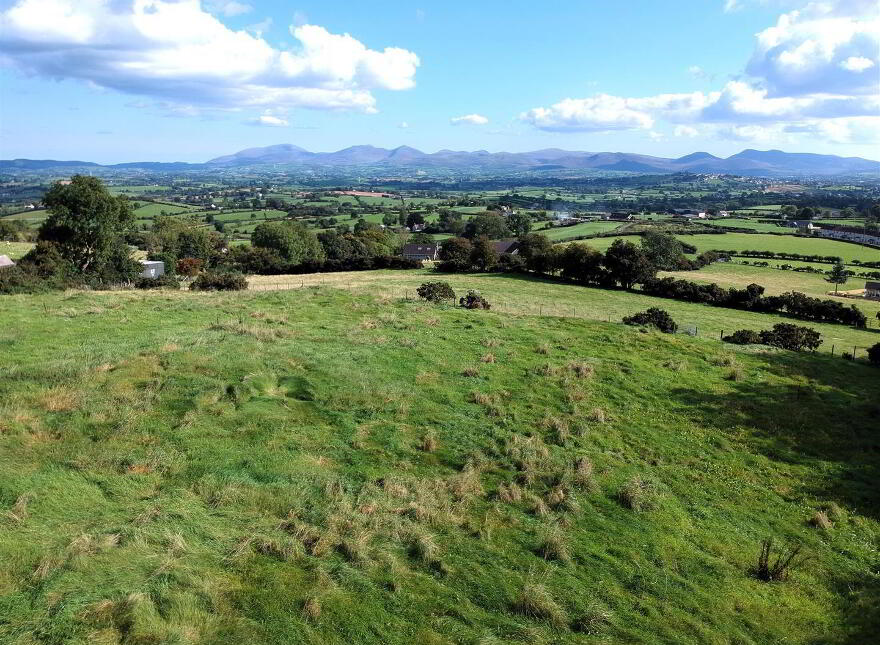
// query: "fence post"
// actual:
[[721, 337], [832, 350]]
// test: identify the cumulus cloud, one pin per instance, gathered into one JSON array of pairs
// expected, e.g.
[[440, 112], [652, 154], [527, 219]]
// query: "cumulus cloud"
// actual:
[[600, 113], [814, 73], [469, 119], [822, 48], [270, 121], [176, 51]]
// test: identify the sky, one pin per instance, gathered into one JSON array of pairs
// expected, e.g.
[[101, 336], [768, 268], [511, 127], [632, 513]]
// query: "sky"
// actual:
[[188, 80]]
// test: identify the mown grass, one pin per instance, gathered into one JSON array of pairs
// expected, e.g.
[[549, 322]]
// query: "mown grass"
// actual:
[[316, 466]]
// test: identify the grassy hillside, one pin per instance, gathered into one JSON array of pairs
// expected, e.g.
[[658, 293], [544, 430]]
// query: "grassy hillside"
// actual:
[[524, 294], [322, 467]]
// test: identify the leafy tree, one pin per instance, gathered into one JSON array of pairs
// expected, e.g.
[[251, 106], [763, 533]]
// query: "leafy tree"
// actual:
[[874, 354], [456, 250], [663, 250], [838, 275], [86, 223], [519, 223], [414, 219], [581, 263], [537, 251], [483, 255], [628, 264], [491, 225], [389, 219], [291, 240], [436, 291], [653, 317], [788, 212], [792, 337], [421, 238], [806, 213]]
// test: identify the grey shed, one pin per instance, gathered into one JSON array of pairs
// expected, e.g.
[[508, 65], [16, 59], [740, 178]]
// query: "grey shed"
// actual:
[[152, 268]]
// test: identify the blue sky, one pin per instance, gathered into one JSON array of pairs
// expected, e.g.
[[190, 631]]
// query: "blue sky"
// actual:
[[123, 80]]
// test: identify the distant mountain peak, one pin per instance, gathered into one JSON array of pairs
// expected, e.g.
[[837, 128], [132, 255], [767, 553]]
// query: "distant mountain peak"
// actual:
[[697, 156]]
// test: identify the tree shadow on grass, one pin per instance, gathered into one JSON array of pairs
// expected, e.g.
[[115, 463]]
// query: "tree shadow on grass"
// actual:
[[827, 417]]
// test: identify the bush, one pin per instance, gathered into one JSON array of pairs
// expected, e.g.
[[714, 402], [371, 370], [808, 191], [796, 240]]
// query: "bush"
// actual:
[[874, 354], [211, 281], [473, 300], [744, 337], [189, 267], [436, 291], [793, 337], [162, 282], [653, 317]]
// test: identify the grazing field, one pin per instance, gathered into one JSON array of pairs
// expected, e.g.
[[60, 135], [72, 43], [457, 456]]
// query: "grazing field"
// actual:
[[15, 250], [151, 210], [324, 468], [584, 228], [777, 282], [526, 295], [754, 224], [759, 242]]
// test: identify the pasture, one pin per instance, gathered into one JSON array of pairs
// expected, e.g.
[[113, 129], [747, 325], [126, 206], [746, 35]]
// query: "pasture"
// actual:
[[526, 295], [15, 250], [321, 467]]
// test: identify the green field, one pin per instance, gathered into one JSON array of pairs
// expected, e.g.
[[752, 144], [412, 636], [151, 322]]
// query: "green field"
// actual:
[[319, 467], [151, 210], [584, 228], [759, 242], [521, 294], [15, 250]]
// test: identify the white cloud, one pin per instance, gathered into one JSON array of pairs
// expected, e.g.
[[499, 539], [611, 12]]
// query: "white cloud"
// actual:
[[228, 7], [600, 113], [259, 28], [403, 125], [469, 119], [812, 75], [656, 136], [731, 5], [808, 51], [270, 121], [173, 50], [857, 64]]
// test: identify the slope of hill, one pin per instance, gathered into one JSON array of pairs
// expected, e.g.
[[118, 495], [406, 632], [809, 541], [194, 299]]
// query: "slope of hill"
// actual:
[[317, 467]]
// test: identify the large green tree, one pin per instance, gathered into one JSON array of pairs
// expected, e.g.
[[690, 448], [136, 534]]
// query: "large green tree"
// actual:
[[292, 241], [838, 275], [492, 225], [87, 223], [628, 264], [662, 249]]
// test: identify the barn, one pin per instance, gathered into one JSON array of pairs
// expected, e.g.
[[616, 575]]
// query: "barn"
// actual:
[[152, 268]]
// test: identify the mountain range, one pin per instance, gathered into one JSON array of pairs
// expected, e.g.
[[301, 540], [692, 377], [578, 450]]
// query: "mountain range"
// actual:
[[747, 162]]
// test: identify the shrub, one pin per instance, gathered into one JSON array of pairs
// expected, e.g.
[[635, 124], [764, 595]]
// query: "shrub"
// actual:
[[653, 317], [473, 300], [874, 354], [189, 267], [779, 569], [436, 291], [793, 337], [211, 281], [162, 282], [744, 337]]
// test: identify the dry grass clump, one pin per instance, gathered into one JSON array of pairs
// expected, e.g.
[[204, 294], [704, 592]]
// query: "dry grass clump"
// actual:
[[368, 323], [559, 428], [424, 547], [597, 415], [557, 496], [543, 348], [547, 370], [539, 506], [581, 369], [242, 329], [488, 358], [536, 601], [470, 372], [510, 493], [583, 474], [19, 510], [724, 360], [821, 520], [552, 544], [59, 399], [312, 608], [735, 374], [593, 620], [482, 398], [429, 443], [491, 342], [639, 494], [466, 484], [676, 365]]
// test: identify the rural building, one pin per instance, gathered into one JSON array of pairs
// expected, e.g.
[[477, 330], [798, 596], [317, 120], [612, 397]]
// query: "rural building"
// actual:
[[6, 262], [420, 251], [688, 213], [805, 225], [872, 290], [152, 268], [619, 217], [511, 247]]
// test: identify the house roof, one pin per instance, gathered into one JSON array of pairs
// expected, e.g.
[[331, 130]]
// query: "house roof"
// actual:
[[152, 263], [414, 249], [6, 262], [870, 286], [506, 247]]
